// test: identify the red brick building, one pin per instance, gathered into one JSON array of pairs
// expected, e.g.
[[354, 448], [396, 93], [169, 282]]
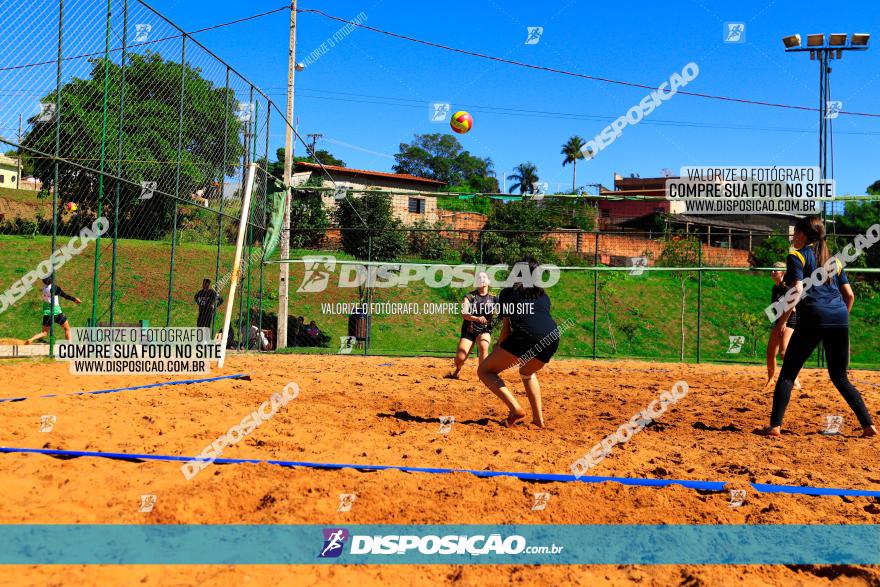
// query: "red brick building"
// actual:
[[613, 212]]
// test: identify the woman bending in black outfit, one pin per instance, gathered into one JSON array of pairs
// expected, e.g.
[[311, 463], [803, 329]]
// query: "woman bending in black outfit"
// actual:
[[529, 338]]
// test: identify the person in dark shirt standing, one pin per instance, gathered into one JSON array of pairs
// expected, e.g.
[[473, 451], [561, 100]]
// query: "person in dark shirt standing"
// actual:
[[208, 301], [823, 316], [529, 338], [778, 343]]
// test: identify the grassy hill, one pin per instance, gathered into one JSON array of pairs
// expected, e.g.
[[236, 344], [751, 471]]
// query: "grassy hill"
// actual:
[[638, 316]]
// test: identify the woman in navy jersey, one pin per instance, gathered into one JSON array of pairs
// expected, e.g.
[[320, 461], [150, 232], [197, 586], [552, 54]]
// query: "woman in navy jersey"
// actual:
[[529, 338], [823, 316], [477, 311]]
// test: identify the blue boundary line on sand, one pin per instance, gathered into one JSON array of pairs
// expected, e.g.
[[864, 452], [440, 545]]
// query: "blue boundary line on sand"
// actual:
[[543, 477], [185, 382]]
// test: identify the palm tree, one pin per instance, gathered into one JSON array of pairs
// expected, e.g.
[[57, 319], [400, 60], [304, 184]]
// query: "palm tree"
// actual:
[[524, 177], [573, 151]]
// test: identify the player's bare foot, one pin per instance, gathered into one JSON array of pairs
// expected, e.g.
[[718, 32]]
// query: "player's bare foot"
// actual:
[[515, 417], [771, 431], [452, 376], [797, 384], [538, 423], [869, 431]]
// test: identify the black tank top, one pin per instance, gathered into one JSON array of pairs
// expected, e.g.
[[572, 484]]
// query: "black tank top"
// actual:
[[529, 317], [483, 306]]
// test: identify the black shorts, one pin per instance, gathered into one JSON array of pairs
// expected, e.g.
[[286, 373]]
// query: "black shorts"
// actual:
[[471, 330], [790, 323], [527, 347], [60, 319]]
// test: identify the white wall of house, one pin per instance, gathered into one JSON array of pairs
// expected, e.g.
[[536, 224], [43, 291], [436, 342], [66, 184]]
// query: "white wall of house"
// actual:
[[408, 208]]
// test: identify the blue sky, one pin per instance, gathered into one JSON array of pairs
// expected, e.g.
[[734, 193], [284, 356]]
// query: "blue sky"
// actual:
[[371, 92]]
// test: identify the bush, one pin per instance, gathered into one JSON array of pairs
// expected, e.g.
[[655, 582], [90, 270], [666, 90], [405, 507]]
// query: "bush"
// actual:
[[383, 237], [196, 225], [522, 226], [307, 212], [773, 250], [464, 204], [426, 241]]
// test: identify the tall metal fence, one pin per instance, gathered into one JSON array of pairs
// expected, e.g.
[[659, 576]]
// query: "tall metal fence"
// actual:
[[650, 296], [124, 116]]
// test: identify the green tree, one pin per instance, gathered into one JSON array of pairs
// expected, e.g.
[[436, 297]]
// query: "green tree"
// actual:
[[681, 251], [523, 227], [441, 157], [859, 217], [570, 213], [426, 240], [369, 227], [754, 325], [149, 139], [308, 217], [524, 176], [607, 292], [572, 150], [772, 250]]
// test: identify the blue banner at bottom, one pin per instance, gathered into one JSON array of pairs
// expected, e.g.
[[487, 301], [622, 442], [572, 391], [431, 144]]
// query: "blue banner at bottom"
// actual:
[[31, 544]]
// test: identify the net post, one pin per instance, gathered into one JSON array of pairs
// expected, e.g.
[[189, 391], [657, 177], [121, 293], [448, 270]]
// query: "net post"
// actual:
[[102, 162], [369, 293], [700, 297], [250, 234], [250, 127], [221, 192], [118, 162], [56, 182], [596, 295], [236, 262], [177, 176], [263, 223]]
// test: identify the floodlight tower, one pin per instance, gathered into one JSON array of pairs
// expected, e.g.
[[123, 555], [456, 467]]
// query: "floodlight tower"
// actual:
[[825, 48]]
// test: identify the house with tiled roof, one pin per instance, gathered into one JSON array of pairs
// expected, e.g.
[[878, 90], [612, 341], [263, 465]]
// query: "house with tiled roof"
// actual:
[[410, 202]]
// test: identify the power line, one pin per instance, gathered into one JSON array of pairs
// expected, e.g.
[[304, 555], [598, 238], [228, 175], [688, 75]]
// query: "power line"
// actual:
[[245, 19], [571, 73]]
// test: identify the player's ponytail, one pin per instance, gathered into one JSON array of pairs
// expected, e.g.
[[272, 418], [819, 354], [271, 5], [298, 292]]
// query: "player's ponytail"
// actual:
[[813, 228]]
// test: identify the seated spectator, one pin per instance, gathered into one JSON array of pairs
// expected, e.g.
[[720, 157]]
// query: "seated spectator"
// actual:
[[256, 336], [299, 335], [258, 339], [313, 334]]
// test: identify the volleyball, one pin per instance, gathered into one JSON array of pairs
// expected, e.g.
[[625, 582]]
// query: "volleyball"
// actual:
[[461, 122], [70, 207]]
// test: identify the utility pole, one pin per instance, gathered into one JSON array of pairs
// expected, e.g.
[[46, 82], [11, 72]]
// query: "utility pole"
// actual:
[[284, 268], [314, 137], [18, 176]]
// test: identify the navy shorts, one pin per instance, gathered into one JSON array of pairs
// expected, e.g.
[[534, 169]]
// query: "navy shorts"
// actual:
[[523, 346]]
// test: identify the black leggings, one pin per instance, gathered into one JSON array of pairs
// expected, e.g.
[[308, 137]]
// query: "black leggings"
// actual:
[[803, 342]]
